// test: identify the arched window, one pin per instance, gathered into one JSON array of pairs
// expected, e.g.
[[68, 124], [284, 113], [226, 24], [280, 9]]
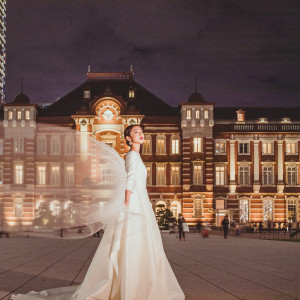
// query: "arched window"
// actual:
[[160, 205], [69, 145], [175, 208], [55, 208], [198, 207], [55, 145], [161, 144]]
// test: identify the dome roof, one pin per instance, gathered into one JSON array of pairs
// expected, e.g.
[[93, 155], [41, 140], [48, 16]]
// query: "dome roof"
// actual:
[[196, 97], [21, 99]]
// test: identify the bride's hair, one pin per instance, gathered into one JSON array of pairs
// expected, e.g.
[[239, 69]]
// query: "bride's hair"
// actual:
[[127, 132]]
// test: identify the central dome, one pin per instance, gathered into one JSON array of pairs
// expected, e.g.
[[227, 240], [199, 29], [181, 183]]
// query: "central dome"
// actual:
[[196, 97], [21, 99]]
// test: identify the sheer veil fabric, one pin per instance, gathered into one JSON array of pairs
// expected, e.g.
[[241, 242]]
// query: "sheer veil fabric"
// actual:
[[130, 262]]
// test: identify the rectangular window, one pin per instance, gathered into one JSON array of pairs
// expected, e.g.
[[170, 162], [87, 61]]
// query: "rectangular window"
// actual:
[[188, 114], [292, 211], [175, 175], [27, 114], [268, 175], [106, 175], [220, 175], [55, 175], [240, 117], [206, 115], [291, 175], [149, 175], [161, 175], [18, 208], [175, 146], [267, 148], [197, 174], [197, 144], [18, 144], [197, 114], [291, 148], [220, 148], [87, 94], [147, 145], [69, 175], [10, 115], [41, 145], [244, 175], [41, 176], [69, 145], [19, 115], [131, 93], [161, 146], [19, 174], [55, 145], [244, 148]]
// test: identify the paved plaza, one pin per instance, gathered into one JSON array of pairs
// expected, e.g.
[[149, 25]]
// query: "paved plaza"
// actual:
[[214, 268]]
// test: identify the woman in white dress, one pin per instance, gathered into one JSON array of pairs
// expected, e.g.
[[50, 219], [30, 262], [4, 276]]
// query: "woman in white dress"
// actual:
[[130, 262]]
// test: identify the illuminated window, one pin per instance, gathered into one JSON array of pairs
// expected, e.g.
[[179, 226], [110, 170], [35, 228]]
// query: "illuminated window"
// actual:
[[188, 114], [175, 208], [19, 115], [197, 114], [197, 173], [262, 120], [268, 175], [220, 148], [69, 175], [220, 175], [55, 175], [27, 114], [86, 94], [175, 175], [244, 211], [244, 175], [18, 144], [160, 205], [18, 208], [197, 144], [131, 93], [291, 175], [198, 208], [240, 117], [10, 115], [161, 175], [267, 148], [147, 145], [244, 148], [41, 145], [206, 114], [55, 145], [149, 174], [292, 211], [175, 146], [161, 145], [19, 174], [41, 176], [291, 147]]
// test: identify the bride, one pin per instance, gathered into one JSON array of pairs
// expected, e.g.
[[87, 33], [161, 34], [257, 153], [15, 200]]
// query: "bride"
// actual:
[[130, 262]]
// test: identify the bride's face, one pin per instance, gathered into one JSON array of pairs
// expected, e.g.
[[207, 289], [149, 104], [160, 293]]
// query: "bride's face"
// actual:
[[137, 135]]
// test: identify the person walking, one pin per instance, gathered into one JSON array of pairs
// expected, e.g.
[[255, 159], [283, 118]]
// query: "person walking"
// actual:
[[225, 224], [181, 220]]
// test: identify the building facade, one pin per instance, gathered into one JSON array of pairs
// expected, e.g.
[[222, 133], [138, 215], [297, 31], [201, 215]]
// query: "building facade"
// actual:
[[202, 160]]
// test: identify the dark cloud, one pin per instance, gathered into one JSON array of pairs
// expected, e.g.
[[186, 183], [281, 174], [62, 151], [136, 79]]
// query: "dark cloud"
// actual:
[[244, 52]]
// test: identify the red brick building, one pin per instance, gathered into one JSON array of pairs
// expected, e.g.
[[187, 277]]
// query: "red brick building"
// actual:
[[202, 160]]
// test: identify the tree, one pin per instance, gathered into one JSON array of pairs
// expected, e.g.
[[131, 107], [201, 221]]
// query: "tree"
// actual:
[[164, 217]]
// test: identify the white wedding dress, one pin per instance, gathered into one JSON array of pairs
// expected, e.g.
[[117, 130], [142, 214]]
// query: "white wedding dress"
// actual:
[[130, 262]]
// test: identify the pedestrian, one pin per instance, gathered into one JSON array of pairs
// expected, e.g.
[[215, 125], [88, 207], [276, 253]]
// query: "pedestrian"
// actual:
[[289, 226], [199, 226], [181, 220], [260, 227], [225, 224]]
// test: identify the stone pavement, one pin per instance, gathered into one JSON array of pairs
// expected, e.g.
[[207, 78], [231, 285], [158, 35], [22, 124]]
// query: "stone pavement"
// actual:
[[214, 268]]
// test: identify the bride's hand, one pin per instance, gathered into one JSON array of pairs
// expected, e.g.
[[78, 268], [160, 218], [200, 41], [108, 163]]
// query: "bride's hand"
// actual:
[[127, 197]]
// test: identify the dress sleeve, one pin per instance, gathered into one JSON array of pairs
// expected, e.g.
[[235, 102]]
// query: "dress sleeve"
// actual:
[[131, 168]]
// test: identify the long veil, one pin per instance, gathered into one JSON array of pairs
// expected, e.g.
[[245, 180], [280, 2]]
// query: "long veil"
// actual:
[[64, 183]]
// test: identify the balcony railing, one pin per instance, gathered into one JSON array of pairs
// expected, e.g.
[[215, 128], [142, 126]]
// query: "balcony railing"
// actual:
[[257, 127]]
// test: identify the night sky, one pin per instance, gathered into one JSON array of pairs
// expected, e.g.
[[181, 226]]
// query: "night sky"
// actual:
[[245, 53]]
